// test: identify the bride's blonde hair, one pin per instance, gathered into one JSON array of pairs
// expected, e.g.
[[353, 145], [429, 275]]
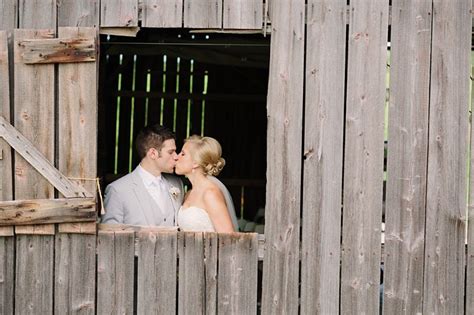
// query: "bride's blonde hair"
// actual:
[[206, 152]]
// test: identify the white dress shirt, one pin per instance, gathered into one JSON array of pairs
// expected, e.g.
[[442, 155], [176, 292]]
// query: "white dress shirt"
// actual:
[[156, 187]]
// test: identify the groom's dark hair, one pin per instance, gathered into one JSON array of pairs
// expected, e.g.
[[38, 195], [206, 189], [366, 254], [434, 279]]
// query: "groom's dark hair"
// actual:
[[152, 136]]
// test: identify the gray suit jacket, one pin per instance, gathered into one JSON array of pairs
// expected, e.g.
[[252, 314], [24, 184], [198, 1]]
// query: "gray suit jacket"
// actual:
[[127, 201]]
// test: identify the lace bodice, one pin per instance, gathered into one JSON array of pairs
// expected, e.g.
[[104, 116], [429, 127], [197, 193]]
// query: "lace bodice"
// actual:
[[194, 219]]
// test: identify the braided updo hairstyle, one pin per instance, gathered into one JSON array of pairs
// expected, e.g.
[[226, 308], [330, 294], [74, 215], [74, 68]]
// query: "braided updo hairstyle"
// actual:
[[206, 152]]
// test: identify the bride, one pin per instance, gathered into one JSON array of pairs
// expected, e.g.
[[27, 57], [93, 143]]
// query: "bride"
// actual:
[[207, 206]]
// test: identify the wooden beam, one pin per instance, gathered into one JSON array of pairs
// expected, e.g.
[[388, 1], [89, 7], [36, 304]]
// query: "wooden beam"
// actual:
[[42, 211], [58, 50], [27, 150]]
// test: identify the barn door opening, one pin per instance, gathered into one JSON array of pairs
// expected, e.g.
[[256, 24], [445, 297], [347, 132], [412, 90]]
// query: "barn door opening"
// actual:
[[195, 83]]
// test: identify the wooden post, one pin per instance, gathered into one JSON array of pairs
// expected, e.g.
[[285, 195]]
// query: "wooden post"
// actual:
[[447, 158], [284, 159]]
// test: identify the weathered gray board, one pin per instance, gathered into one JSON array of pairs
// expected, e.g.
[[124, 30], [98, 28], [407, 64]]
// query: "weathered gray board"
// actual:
[[83, 13], [285, 118], [203, 14], [8, 14], [323, 147], [470, 233], [407, 156], [116, 13], [6, 178], [162, 13], [243, 14], [7, 271], [363, 160], [447, 158], [37, 14], [115, 272]]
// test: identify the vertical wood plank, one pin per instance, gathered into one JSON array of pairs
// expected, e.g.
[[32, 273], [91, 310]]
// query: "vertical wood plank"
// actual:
[[34, 274], [364, 157], [77, 115], [285, 117], [323, 147], [37, 14], [243, 14], [448, 144], [162, 13], [157, 262], [203, 13], [34, 116], [470, 225], [210, 265], [115, 272], [6, 176], [74, 281], [80, 13], [237, 278], [119, 13], [7, 271], [191, 274], [8, 14], [407, 156]]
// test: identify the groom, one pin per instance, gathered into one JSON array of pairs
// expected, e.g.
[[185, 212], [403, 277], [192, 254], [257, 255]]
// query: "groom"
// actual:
[[147, 196]]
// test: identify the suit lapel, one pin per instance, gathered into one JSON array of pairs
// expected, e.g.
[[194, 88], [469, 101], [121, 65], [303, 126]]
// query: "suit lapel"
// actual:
[[146, 202]]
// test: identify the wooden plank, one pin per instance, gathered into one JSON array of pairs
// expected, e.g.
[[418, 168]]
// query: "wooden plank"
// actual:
[[40, 163], [283, 196], [78, 228], [8, 14], [135, 228], [41, 211], [80, 13], [74, 280], [162, 13], [210, 265], [323, 155], [34, 274], [115, 272], [447, 154], [157, 258], [77, 119], [203, 13], [470, 226], [58, 50], [243, 14], [7, 271], [237, 274], [364, 158], [191, 273], [37, 14], [119, 13], [407, 157], [6, 171]]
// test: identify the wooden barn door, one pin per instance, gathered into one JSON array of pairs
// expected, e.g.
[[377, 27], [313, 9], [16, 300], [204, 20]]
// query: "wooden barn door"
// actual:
[[51, 100]]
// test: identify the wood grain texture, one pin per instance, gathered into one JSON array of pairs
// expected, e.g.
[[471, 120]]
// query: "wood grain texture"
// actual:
[[115, 272], [6, 171], [74, 279], [41, 211], [364, 157], [79, 13], [157, 260], [323, 155], [8, 14], [243, 14], [7, 272], [37, 14], [447, 158], [237, 278], [407, 156], [284, 138], [162, 13], [34, 274], [203, 14], [119, 13], [191, 286], [210, 264], [470, 226]]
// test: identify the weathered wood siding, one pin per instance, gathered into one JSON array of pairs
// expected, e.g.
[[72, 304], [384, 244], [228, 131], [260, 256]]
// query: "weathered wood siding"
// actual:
[[447, 158], [407, 156], [323, 147], [283, 197]]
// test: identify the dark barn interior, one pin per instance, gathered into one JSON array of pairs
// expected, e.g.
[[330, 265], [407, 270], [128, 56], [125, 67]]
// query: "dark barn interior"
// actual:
[[195, 83]]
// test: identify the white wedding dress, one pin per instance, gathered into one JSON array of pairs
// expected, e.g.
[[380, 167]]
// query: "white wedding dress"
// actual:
[[194, 219]]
